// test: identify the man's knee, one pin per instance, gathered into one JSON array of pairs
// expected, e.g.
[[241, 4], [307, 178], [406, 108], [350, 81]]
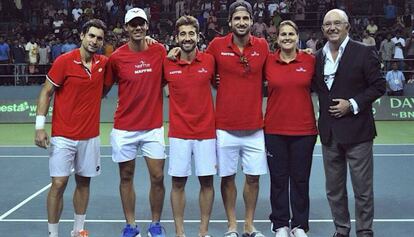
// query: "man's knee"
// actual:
[[59, 185], [252, 180], [178, 183]]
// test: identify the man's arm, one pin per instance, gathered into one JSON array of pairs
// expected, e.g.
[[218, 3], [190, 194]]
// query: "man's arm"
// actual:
[[41, 137], [374, 79]]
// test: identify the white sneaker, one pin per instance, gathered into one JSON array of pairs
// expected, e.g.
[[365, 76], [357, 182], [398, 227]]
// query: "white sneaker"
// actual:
[[298, 232], [282, 232]]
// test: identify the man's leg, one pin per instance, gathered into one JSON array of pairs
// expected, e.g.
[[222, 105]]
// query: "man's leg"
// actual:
[[127, 191], [335, 165], [157, 189], [229, 195], [206, 198], [80, 201], [360, 158], [178, 203], [250, 193], [55, 203]]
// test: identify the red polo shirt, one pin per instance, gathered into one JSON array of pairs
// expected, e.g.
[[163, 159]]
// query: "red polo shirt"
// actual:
[[239, 95], [191, 104], [139, 92], [289, 105], [77, 101]]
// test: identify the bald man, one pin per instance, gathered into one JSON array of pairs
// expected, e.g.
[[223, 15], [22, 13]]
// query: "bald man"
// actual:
[[347, 80]]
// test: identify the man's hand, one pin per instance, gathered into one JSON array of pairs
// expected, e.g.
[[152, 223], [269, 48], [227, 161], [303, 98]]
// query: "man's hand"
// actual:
[[340, 109], [307, 51], [41, 138], [150, 40], [173, 54]]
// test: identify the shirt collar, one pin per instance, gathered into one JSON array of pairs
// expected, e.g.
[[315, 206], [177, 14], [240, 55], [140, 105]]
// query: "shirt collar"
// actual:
[[77, 57], [341, 47], [197, 58], [299, 57], [229, 39]]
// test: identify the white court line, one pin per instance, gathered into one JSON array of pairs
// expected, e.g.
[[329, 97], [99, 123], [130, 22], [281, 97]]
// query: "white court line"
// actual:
[[108, 156], [24, 202], [196, 221]]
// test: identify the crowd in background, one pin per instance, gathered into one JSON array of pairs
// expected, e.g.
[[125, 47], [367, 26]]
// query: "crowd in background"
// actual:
[[42, 30]]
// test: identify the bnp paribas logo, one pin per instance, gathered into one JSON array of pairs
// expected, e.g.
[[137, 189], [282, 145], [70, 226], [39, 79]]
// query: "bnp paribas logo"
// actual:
[[16, 107]]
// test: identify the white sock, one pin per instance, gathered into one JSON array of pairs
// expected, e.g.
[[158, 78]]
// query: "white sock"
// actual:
[[53, 229], [79, 222]]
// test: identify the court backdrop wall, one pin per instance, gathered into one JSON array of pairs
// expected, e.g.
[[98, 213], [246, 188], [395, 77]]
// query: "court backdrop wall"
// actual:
[[18, 105]]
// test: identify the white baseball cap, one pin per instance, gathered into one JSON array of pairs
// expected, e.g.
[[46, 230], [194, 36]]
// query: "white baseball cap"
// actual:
[[133, 13]]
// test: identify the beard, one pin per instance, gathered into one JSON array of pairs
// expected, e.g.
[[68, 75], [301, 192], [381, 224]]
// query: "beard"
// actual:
[[240, 34], [188, 49]]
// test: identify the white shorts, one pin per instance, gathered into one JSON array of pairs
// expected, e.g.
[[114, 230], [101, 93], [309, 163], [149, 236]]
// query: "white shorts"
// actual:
[[247, 144], [125, 144], [68, 156], [181, 151]]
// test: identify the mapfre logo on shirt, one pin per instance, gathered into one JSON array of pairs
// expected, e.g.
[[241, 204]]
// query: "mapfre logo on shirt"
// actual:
[[142, 67], [227, 54], [175, 72]]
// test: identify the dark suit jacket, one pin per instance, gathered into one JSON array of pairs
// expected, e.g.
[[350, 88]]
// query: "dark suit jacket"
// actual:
[[358, 77]]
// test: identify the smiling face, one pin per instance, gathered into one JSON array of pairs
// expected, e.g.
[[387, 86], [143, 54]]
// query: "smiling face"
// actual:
[[92, 40], [187, 38], [287, 38], [137, 29], [241, 23], [335, 26]]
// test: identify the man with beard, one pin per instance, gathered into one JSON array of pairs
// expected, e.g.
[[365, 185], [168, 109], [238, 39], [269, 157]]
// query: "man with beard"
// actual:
[[239, 60], [137, 67], [77, 78], [192, 129]]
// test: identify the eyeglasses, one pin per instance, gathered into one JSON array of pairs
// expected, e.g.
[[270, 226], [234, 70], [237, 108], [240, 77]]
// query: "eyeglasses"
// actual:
[[336, 24], [245, 62]]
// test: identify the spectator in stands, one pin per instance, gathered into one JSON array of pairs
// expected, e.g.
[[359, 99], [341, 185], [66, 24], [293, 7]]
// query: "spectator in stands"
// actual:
[[179, 8], [76, 12], [271, 30], [372, 28], [367, 39], [18, 56], [272, 7], [410, 51], [390, 11], [44, 56], [56, 48], [386, 51], [166, 5], [259, 9], [259, 28], [407, 21], [312, 42], [32, 50], [300, 10], [212, 25], [399, 43], [395, 81], [128, 5], [5, 59], [69, 45], [57, 24], [118, 30]]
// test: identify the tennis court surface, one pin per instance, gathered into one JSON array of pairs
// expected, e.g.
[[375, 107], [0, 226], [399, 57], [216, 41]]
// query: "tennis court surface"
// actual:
[[25, 182]]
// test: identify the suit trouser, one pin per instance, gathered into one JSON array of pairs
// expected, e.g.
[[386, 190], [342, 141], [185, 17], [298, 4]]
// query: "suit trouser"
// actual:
[[289, 159], [359, 157]]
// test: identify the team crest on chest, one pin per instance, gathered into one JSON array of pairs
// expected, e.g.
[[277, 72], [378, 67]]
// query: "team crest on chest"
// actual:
[[142, 67]]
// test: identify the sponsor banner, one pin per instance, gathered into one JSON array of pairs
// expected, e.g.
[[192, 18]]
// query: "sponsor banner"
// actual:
[[24, 111]]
